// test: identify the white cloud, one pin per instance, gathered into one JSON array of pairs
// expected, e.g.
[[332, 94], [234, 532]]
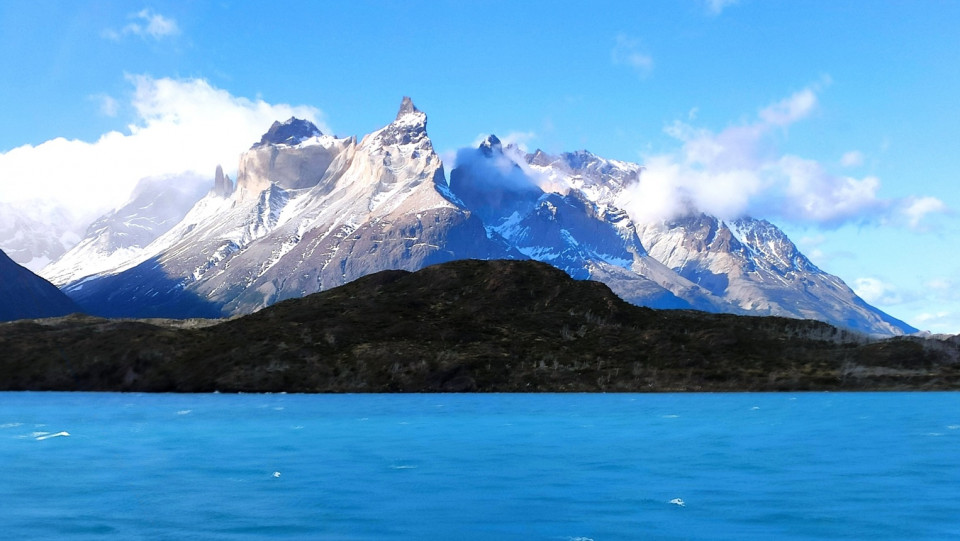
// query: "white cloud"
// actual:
[[181, 126], [715, 7], [146, 24], [627, 52], [810, 193], [109, 106], [811, 246], [941, 285], [875, 291], [790, 109], [738, 171], [914, 209], [854, 158], [942, 321], [520, 139]]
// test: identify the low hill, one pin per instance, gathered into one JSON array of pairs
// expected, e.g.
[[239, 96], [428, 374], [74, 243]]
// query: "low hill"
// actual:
[[23, 294], [505, 326]]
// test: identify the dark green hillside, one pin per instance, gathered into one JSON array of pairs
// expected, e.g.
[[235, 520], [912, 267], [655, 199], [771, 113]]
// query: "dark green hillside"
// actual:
[[466, 326]]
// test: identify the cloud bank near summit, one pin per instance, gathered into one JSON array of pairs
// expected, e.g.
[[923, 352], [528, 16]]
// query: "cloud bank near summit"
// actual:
[[179, 126], [738, 171]]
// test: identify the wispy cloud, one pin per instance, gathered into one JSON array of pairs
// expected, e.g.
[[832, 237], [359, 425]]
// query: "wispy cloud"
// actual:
[[915, 209], [715, 7], [519, 139], [854, 158], [876, 291], [627, 52], [182, 125], [109, 106], [790, 109], [146, 24], [739, 171]]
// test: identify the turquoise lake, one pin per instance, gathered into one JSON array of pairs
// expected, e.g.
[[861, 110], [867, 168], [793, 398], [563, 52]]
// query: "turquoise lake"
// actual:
[[481, 466]]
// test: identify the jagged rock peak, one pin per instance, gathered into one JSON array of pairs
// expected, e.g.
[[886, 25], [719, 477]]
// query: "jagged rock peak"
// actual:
[[410, 127], [491, 145], [579, 159], [540, 158], [222, 185], [291, 132], [406, 107]]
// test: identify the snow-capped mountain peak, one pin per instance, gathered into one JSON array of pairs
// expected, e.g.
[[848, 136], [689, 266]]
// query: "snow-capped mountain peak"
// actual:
[[407, 108], [291, 132], [491, 145], [409, 128]]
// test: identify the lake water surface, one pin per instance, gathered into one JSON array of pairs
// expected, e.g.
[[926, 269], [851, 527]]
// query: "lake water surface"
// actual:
[[491, 466]]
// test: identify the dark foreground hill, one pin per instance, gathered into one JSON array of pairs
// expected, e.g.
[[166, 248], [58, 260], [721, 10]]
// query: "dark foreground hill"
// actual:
[[23, 294], [465, 326]]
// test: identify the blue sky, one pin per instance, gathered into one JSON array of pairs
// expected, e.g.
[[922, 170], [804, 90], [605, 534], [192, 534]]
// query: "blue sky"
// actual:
[[838, 121]]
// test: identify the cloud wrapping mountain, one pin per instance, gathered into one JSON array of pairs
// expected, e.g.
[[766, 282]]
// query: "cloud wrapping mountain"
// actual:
[[181, 128], [311, 211]]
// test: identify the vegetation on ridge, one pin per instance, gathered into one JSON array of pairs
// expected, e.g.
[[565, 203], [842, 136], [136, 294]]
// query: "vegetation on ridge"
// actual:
[[466, 326]]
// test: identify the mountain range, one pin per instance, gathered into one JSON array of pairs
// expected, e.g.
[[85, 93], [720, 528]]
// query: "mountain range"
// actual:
[[310, 211]]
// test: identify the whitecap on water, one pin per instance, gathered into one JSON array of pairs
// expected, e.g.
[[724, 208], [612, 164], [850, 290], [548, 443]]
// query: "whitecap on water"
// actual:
[[184, 412], [403, 467], [11, 425], [953, 427], [47, 435], [670, 416]]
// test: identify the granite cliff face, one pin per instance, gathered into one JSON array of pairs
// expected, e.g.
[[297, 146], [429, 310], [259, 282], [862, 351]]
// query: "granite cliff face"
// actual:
[[308, 213]]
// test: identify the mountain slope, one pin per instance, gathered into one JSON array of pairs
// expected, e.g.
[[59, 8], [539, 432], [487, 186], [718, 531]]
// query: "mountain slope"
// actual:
[[26, 295], [156, 205], [309, 212], [753, 264], [556, 223], [35, 238], [750, 264]]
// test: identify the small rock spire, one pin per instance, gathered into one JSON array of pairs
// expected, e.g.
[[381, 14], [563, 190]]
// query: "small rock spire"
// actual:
[[406, 107], [222, 185]]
